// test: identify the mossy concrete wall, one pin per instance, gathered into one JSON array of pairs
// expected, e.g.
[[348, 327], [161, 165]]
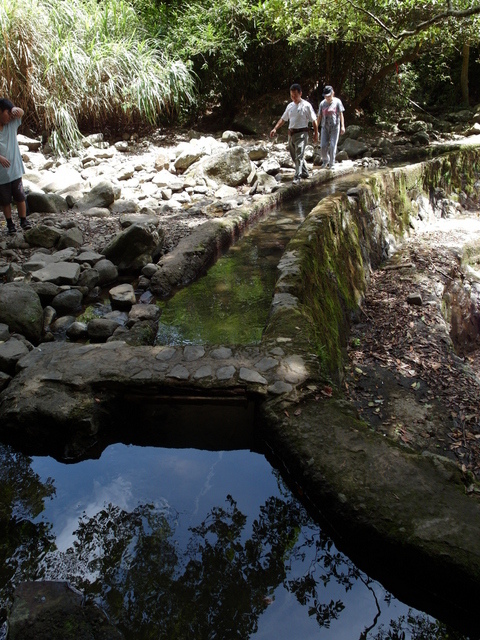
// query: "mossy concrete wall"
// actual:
[[327, 265]]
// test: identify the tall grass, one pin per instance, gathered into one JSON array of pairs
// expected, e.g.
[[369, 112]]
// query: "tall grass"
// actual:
[[82, 63]]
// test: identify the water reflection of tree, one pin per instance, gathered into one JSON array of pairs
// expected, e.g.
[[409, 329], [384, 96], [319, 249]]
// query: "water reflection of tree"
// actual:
[[219, 585], [22, 543], [415, 626]]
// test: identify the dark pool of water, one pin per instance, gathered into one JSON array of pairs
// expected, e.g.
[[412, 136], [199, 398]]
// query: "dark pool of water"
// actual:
[[185, 543]]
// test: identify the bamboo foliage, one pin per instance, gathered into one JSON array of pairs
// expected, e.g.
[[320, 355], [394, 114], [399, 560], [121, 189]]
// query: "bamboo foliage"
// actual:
[[72, 62]]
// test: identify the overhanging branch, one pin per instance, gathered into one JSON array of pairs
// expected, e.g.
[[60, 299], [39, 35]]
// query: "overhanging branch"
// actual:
[[421, 26]]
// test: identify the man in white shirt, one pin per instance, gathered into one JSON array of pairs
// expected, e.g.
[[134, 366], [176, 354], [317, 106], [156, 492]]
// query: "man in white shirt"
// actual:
[[298, 114]]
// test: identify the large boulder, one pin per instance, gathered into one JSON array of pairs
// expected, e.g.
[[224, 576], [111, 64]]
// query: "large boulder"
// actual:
[[101, 196], [133, 248], [65, 178], [21, 310], [43, 236], [231, 167], [46, 202], [354, 148]]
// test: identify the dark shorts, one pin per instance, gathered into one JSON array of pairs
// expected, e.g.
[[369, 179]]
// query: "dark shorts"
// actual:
[[12, 190]]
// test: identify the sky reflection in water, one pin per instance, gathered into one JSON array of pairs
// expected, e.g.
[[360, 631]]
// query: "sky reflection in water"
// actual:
[[195, 491]]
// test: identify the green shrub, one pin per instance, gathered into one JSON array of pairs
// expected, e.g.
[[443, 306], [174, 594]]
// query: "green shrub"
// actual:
[[79, 63]]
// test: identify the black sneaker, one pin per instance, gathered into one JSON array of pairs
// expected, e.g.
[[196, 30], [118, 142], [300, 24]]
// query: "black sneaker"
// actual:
[[11, 228], [25, 224]]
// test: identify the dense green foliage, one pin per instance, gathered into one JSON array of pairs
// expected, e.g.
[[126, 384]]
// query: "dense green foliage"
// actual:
[[80, 62], [86, 64]]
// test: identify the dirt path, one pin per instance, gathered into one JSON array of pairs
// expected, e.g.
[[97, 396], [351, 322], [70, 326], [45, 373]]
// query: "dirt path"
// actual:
[[403, 373]]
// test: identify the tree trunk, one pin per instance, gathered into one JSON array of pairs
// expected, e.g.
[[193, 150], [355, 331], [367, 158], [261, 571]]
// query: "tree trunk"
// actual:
[[464, 74], [382, 73]]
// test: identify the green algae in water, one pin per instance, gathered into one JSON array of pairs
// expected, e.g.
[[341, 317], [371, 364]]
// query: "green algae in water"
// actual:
[[230, 304]]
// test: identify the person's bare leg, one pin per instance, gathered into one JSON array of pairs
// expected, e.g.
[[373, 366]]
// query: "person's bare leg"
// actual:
[[22, 210], [7, 211]]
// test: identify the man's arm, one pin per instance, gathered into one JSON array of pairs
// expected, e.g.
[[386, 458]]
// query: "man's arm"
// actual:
[[279, 124]]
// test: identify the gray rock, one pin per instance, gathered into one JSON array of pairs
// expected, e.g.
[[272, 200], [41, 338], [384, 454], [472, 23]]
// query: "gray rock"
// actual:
[[124, 206], [10, 353], [4, 332], [205, 371], [65, 178], [97, 212], [43, 236], [354, 148], [107, 272], [264, 183], [271, 166], [231, 167], [165, 354], [100, 329], [353, 131], [89, 278], [77, 331], [279, 387], [49, 316], [67, 302], [4, 380], [266, 363], [70, 238], [14, 271], [21, 310], [149, 219], [31, 143], [251, 376], [60, 325], [133, 248], [258, 152], [230, 136], [193, 352], [180, 372], [221, 353], [46, 202], [88, 257], [144, 312], [102, 196], [421, 137], [141, 333], [225, 373], [58, 273], [122, 296], [46, 291], [188, 157]]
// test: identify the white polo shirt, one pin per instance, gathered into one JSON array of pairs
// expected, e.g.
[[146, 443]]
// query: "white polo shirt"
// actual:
[[299, 115]]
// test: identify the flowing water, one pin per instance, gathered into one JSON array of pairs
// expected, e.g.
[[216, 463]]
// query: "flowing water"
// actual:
[[230, 303]]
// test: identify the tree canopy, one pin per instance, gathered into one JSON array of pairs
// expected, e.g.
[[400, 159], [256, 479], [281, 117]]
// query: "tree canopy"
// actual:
[[83, 63]]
